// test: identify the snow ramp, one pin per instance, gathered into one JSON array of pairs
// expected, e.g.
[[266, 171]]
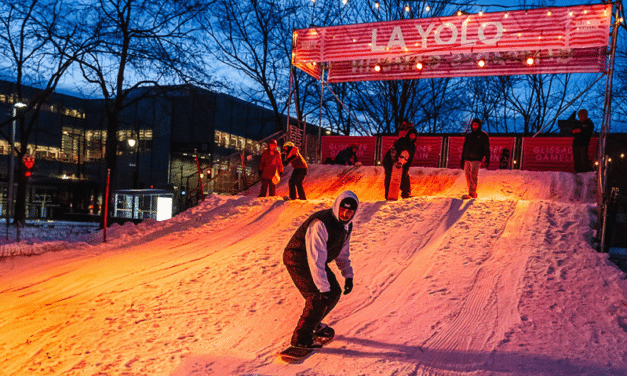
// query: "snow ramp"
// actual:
[[507, 284]]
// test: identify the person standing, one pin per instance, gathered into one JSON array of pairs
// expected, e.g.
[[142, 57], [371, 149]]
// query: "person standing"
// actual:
[[405, 143], [293, 156], [582, 132], [269, 165], [323, 237], [475, 151]]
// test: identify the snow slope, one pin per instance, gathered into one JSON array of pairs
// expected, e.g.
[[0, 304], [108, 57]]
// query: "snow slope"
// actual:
[[507, 284]]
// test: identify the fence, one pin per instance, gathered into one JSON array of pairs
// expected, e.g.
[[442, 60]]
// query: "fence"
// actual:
[[527, 153]]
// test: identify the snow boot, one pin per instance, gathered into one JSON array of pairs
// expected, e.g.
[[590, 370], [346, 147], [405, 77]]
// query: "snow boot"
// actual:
[[315, 344], [324, 331]]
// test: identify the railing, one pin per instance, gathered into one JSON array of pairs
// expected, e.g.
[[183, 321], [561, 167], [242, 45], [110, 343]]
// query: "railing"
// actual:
[[230, 175]]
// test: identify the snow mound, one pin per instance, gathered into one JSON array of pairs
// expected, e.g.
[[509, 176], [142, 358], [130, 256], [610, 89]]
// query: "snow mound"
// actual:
[[507, 284]]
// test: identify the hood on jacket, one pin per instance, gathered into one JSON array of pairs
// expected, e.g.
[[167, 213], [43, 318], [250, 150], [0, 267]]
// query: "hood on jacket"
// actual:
[[412, 131], [478, 121], [351, 198]]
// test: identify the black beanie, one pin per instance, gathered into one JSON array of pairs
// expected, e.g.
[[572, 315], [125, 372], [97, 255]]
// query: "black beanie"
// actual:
[[478, 121], [348, 203]]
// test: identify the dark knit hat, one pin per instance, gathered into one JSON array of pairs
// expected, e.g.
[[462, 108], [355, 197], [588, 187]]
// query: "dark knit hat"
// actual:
[[478, 121], [348, 203]]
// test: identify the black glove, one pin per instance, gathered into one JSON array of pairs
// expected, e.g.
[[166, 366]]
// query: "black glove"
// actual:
[[461, 165], [348, 286], [259, 172]]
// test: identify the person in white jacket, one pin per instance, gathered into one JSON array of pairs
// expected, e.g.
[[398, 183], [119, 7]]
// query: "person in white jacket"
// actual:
[[324, 237]]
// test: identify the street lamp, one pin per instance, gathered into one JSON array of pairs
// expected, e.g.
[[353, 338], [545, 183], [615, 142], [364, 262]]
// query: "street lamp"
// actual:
[[16, 106], [131, 143]]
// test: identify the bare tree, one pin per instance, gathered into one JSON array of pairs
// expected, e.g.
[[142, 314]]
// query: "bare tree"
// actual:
[[134, 44], [36, 50], [250, 37]]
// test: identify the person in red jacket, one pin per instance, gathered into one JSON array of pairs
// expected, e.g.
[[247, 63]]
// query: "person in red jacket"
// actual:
[[293, 156], [269, 165]]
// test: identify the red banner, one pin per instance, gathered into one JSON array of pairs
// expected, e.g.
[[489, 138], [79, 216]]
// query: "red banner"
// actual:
[[331, 145], [497, 145], [552, 153], [569, 39], [428, 150]]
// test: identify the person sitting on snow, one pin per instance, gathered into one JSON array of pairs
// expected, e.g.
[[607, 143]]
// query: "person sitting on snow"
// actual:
[[348, 156], [293, 156], [322, 238]]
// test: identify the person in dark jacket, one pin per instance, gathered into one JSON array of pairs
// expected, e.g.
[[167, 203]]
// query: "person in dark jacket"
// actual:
[[293, 156], [323, 237], [405, 143], [270, 165], [582, 132], [475, 151], [348, 156]]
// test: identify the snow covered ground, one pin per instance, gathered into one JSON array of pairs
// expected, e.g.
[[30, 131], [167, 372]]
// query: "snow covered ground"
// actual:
[[507, 284]]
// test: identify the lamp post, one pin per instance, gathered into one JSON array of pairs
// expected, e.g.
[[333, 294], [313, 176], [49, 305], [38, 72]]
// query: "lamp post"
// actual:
[[16, 106], [132, 143]]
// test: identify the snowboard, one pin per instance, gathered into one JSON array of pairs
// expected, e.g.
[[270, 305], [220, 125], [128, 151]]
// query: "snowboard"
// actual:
[[295, 354], [397, 175]]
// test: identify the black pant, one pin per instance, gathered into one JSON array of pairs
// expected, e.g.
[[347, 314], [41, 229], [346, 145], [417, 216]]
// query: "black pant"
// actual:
[[296, 183], [317, 304], [405, 182], [580, 157], [265, 184]]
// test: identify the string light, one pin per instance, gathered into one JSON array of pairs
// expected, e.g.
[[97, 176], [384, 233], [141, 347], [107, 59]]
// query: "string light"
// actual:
[[481, 63], [419, 66], [344, 2], [622, 155], [481, 13], [506, 15], [407, 8], [377, 68], [459, 12], [548, 13], [427, 8], [530, 61], [376, 4], [570, 13]]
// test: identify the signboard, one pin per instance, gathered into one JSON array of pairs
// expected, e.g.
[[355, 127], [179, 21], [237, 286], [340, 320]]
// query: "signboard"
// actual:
[[497, 144], [571, 39], [331, 145], [552, 153], [428, 150]]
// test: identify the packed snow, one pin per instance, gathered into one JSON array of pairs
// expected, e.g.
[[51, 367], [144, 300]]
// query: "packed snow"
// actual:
[[506, 284]]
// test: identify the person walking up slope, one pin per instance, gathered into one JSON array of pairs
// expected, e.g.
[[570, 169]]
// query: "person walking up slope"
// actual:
[[476, 149], [293, 156], [270, 165], [323, 237]]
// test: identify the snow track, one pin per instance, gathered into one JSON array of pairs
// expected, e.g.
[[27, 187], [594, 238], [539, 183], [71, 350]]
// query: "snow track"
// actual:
[[504, 285]]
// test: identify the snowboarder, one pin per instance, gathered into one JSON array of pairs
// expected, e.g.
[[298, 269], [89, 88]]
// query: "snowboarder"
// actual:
[[582, 132], [322, 238], [293, 156], [270, 167], [405, 143], [476, 150], [348, 156]]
